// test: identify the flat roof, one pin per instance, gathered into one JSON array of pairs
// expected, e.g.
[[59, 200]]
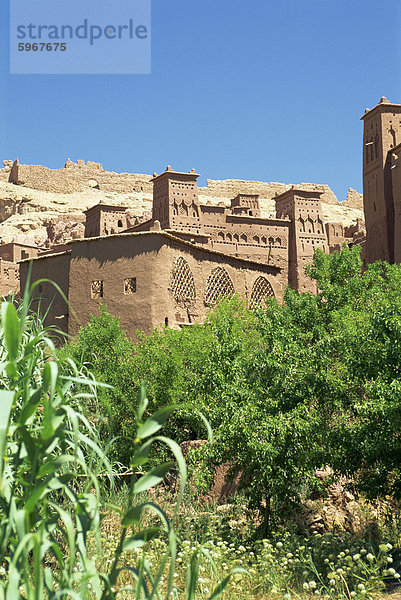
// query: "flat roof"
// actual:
[[169, 236], [384, 103], [131, 229], [42, 256], [19, 244], [299, 190], [191, 175], [107, 207]]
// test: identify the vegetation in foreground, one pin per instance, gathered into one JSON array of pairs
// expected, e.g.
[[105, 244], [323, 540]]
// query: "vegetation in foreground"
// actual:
[[290, 388], [286, 565], [50, 464]]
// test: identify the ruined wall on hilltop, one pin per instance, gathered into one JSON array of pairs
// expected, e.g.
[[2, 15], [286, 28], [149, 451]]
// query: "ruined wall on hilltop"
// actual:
[[80, 176], [229, 188], [354, 199], [5, 171], [74, 177]]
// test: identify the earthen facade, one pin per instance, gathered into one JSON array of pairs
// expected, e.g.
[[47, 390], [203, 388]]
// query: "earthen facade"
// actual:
[[381, 181], [173, 267]]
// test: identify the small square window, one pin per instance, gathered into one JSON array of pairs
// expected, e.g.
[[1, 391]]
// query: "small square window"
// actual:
[[130, 285], [97, 289]]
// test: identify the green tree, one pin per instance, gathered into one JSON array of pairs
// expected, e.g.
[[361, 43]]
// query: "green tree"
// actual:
[[312, 381], [107, 352]]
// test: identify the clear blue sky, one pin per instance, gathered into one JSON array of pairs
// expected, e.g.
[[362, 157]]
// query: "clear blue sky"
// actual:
[[257, 89]]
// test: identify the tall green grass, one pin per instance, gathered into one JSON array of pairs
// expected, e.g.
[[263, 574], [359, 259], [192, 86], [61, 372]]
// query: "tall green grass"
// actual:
[[51, 460]]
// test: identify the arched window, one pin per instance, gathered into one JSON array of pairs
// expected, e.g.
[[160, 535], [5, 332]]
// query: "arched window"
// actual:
[[261, 291], [236, 237], [256, 239], [220, 236], [263, 240], [219, 285], [243, 238], [119, 223], [229, 237], [271, 241], [183, 284], [278, 241]]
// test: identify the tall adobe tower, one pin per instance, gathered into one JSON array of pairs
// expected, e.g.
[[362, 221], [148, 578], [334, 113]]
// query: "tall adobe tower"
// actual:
[[105, 219], [175, 200], [307, 233], [381, 133]]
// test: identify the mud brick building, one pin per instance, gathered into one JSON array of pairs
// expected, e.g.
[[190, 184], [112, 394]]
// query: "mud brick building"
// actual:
[[382, 181], [171, 268]]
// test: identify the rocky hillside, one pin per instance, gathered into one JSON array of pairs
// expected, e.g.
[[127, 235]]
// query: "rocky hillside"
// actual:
[[45, 206]]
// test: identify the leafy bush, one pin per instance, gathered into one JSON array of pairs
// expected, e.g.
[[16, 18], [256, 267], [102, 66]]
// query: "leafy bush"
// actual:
[[107, 352], [309, 382], [50, 462]]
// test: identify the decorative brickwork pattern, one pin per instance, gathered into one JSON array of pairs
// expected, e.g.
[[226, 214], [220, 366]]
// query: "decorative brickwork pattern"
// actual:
[[97, 289], [130, 285], [261, 291], [183, 285], [219, 286]]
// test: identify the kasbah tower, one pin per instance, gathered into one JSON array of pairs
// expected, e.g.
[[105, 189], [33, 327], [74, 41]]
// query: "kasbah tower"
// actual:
[[382, 182]]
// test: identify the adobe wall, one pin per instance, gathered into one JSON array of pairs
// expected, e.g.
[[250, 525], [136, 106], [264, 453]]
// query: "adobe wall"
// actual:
[[252, 238], [202, 264], [14, 252], [396, 184], [381, 135], [105, 220], [229, 188], [112, 260], [55, 267], [354, 199], [150, 259], [5, 171], [307, 233], [9, 278], [77, 177], [335, 235]]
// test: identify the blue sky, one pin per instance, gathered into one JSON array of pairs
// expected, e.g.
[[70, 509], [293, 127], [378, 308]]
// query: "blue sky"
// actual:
[[264, 90]]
